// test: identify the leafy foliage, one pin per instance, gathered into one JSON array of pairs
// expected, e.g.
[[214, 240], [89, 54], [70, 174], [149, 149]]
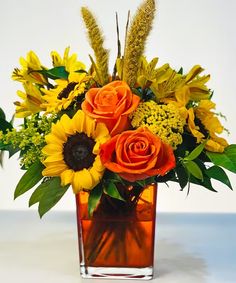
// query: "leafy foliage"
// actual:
[[227, 159], [4, 125], [111, 190], [31, 177], [54, 73], [217, 173], [192, 168], [2, 114], [52, 193], [94, 198]]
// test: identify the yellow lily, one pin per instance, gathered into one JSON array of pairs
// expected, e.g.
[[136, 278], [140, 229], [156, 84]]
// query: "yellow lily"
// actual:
[[32, 101], [29, 73]]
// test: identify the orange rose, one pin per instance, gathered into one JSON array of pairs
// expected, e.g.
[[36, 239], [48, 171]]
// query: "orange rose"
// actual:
[[111, 105], [137, 155]]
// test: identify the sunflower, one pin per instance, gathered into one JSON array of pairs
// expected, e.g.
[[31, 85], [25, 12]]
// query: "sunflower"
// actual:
[[66, 90], [72, 151], [64, 93]]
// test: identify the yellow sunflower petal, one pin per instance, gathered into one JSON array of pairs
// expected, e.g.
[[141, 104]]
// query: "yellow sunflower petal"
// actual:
[[86, 179], [192, 127], [98, 164], [76, 185], [79, 121], [54, 157], [101, 131], [54, 170], [96, 148], [67, 125], [52, 139], [58, 131], [90, 125], [67, 177], [52, 148], [97, 176]]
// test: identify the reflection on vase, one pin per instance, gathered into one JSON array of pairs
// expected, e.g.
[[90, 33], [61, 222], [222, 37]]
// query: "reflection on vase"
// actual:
[[118, 240]]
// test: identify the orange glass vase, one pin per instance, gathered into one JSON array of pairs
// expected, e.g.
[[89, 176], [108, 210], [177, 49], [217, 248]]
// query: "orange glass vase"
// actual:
[[117, 241]]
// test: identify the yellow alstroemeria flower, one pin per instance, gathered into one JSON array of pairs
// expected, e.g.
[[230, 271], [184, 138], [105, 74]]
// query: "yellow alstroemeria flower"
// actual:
[[28, 72], [196, 84], [170, 84], [70, 62], [182, 98], [32, 101], [72, 151]]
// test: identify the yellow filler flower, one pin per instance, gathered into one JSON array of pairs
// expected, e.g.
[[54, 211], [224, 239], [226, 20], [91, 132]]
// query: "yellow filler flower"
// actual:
[[72, 151], [163, 120]]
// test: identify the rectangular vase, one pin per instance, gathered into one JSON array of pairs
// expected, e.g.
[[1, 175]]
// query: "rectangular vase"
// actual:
[[117, 241]]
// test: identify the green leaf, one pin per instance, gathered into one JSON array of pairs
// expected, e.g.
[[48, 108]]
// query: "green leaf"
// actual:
[[51, 196], [2, 114], [9, 148], [196, 152], [206, 183], [81, 71], [55, 73], [94, 198], [217, 173], [193, 169], [113, 177], [183, 176], [146, 182], [111, 190], [227, 159], [170, 176], [180, 71], [31, 177], [137, 92], [39, 192], [4, 125]]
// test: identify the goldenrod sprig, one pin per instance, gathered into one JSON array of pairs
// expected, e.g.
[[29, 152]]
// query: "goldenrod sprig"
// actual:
[[96, 41], [29, 138], [138, 32]]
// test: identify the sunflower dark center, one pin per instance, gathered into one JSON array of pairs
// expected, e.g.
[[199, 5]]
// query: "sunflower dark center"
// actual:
[[78, 152], [66, 91]]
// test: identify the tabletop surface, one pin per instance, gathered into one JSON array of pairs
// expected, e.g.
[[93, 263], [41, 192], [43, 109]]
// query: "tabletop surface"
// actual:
[[190, 248]]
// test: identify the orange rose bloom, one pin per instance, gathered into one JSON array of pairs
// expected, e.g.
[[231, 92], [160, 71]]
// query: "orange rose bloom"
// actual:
[[137, 155], [111, 105]]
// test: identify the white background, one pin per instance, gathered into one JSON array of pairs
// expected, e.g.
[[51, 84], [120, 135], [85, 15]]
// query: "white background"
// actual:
[[186, 32]]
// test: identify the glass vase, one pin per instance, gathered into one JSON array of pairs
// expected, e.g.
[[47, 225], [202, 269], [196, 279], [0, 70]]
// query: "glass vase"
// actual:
[[117, 241]]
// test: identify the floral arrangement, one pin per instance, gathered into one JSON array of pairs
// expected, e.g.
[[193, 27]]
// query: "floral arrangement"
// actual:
[[93, 130]]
